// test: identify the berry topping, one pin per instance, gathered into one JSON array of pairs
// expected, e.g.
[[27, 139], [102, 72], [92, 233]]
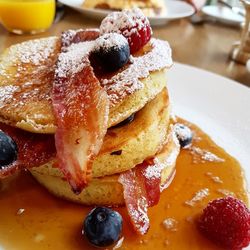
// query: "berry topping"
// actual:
[[226, 221], [125, 122], [184, 134], [8, 150], [102, 226], [130, 23], [111, 51]]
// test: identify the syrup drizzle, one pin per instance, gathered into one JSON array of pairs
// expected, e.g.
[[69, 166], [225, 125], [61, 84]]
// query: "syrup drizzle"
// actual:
[[34, 219]]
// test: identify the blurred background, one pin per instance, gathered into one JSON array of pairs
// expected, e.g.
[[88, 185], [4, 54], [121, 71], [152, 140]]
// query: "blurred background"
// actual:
[[212, 34]]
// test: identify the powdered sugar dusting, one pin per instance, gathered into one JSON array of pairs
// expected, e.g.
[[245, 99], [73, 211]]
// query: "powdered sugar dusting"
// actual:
[[200, 195], [202, 156], [118, 244], [67, 37], [225, 192], [215, 179], [170, 224], [73, 59], [140, 216], [20, 211], [154, 171], [110, 40], [128, 81], [131, 20], [6, 93], [33, 52], [183, 132]]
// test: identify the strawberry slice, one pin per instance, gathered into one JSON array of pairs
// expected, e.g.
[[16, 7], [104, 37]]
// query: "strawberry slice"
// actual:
[[81, 110]]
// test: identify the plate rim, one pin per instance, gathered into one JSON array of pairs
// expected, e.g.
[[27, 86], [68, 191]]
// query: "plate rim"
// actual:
[[92, 11], [188, 72], [220, 18]]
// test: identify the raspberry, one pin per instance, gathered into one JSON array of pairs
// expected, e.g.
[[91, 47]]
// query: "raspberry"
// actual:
[[130, 23], [226, 221]]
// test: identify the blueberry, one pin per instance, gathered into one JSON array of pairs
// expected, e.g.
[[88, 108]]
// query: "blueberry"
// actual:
[[184, 134], [125, 122], [102, 226], [8, 150], [111, 51]]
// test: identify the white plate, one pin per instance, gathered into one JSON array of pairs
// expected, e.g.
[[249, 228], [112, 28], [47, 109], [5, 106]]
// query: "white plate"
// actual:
[[175, 9], [216, 104], [223, 14]]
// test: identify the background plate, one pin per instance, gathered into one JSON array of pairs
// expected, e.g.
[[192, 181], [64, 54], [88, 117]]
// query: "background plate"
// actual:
[[223, 14], [175, 9], [216, 104]]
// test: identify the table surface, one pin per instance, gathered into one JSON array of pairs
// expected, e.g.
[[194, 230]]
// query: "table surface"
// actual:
[[206, 46]]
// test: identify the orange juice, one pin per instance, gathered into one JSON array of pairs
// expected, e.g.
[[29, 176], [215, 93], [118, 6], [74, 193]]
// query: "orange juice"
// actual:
[[27, 16]]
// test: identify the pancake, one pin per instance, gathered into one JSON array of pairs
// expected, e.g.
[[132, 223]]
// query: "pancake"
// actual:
[[126, 146], [148, 7], [107, 190], [27, 73]]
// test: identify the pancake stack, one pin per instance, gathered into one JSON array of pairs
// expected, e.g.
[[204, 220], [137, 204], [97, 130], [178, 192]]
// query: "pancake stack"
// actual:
[[140, 132]]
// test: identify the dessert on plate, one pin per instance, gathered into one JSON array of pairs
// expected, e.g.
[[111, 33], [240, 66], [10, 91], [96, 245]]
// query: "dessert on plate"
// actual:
[[88, 115], [150, 8]]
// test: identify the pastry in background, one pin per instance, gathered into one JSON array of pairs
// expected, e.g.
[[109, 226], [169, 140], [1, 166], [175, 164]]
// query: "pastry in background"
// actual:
[[149, 7]]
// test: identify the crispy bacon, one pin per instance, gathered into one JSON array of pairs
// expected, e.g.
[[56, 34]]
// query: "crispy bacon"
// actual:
[[81, 111], [142, 184], [141, 190], [76, 36], [33, 149]]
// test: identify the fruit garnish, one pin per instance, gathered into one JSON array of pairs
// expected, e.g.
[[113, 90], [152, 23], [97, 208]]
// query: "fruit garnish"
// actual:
[[184, 134], [8, 150], [125, 122], [102, 226], [111, 51], [130, 23], [43, 150], [226, 221]]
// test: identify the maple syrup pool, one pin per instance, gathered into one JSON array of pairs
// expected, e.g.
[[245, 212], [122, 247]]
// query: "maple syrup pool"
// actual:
[[31, 218]]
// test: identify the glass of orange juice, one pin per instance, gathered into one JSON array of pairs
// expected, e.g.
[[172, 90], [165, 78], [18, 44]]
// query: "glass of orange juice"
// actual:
[[27, 16]]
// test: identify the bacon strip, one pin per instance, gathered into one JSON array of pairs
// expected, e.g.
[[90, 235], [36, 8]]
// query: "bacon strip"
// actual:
[[76, 36], [142, 184], [140, 192], [81, 111], [33, 149]]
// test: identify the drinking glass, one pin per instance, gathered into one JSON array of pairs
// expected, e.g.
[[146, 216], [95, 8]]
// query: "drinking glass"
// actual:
[[27, 16]]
